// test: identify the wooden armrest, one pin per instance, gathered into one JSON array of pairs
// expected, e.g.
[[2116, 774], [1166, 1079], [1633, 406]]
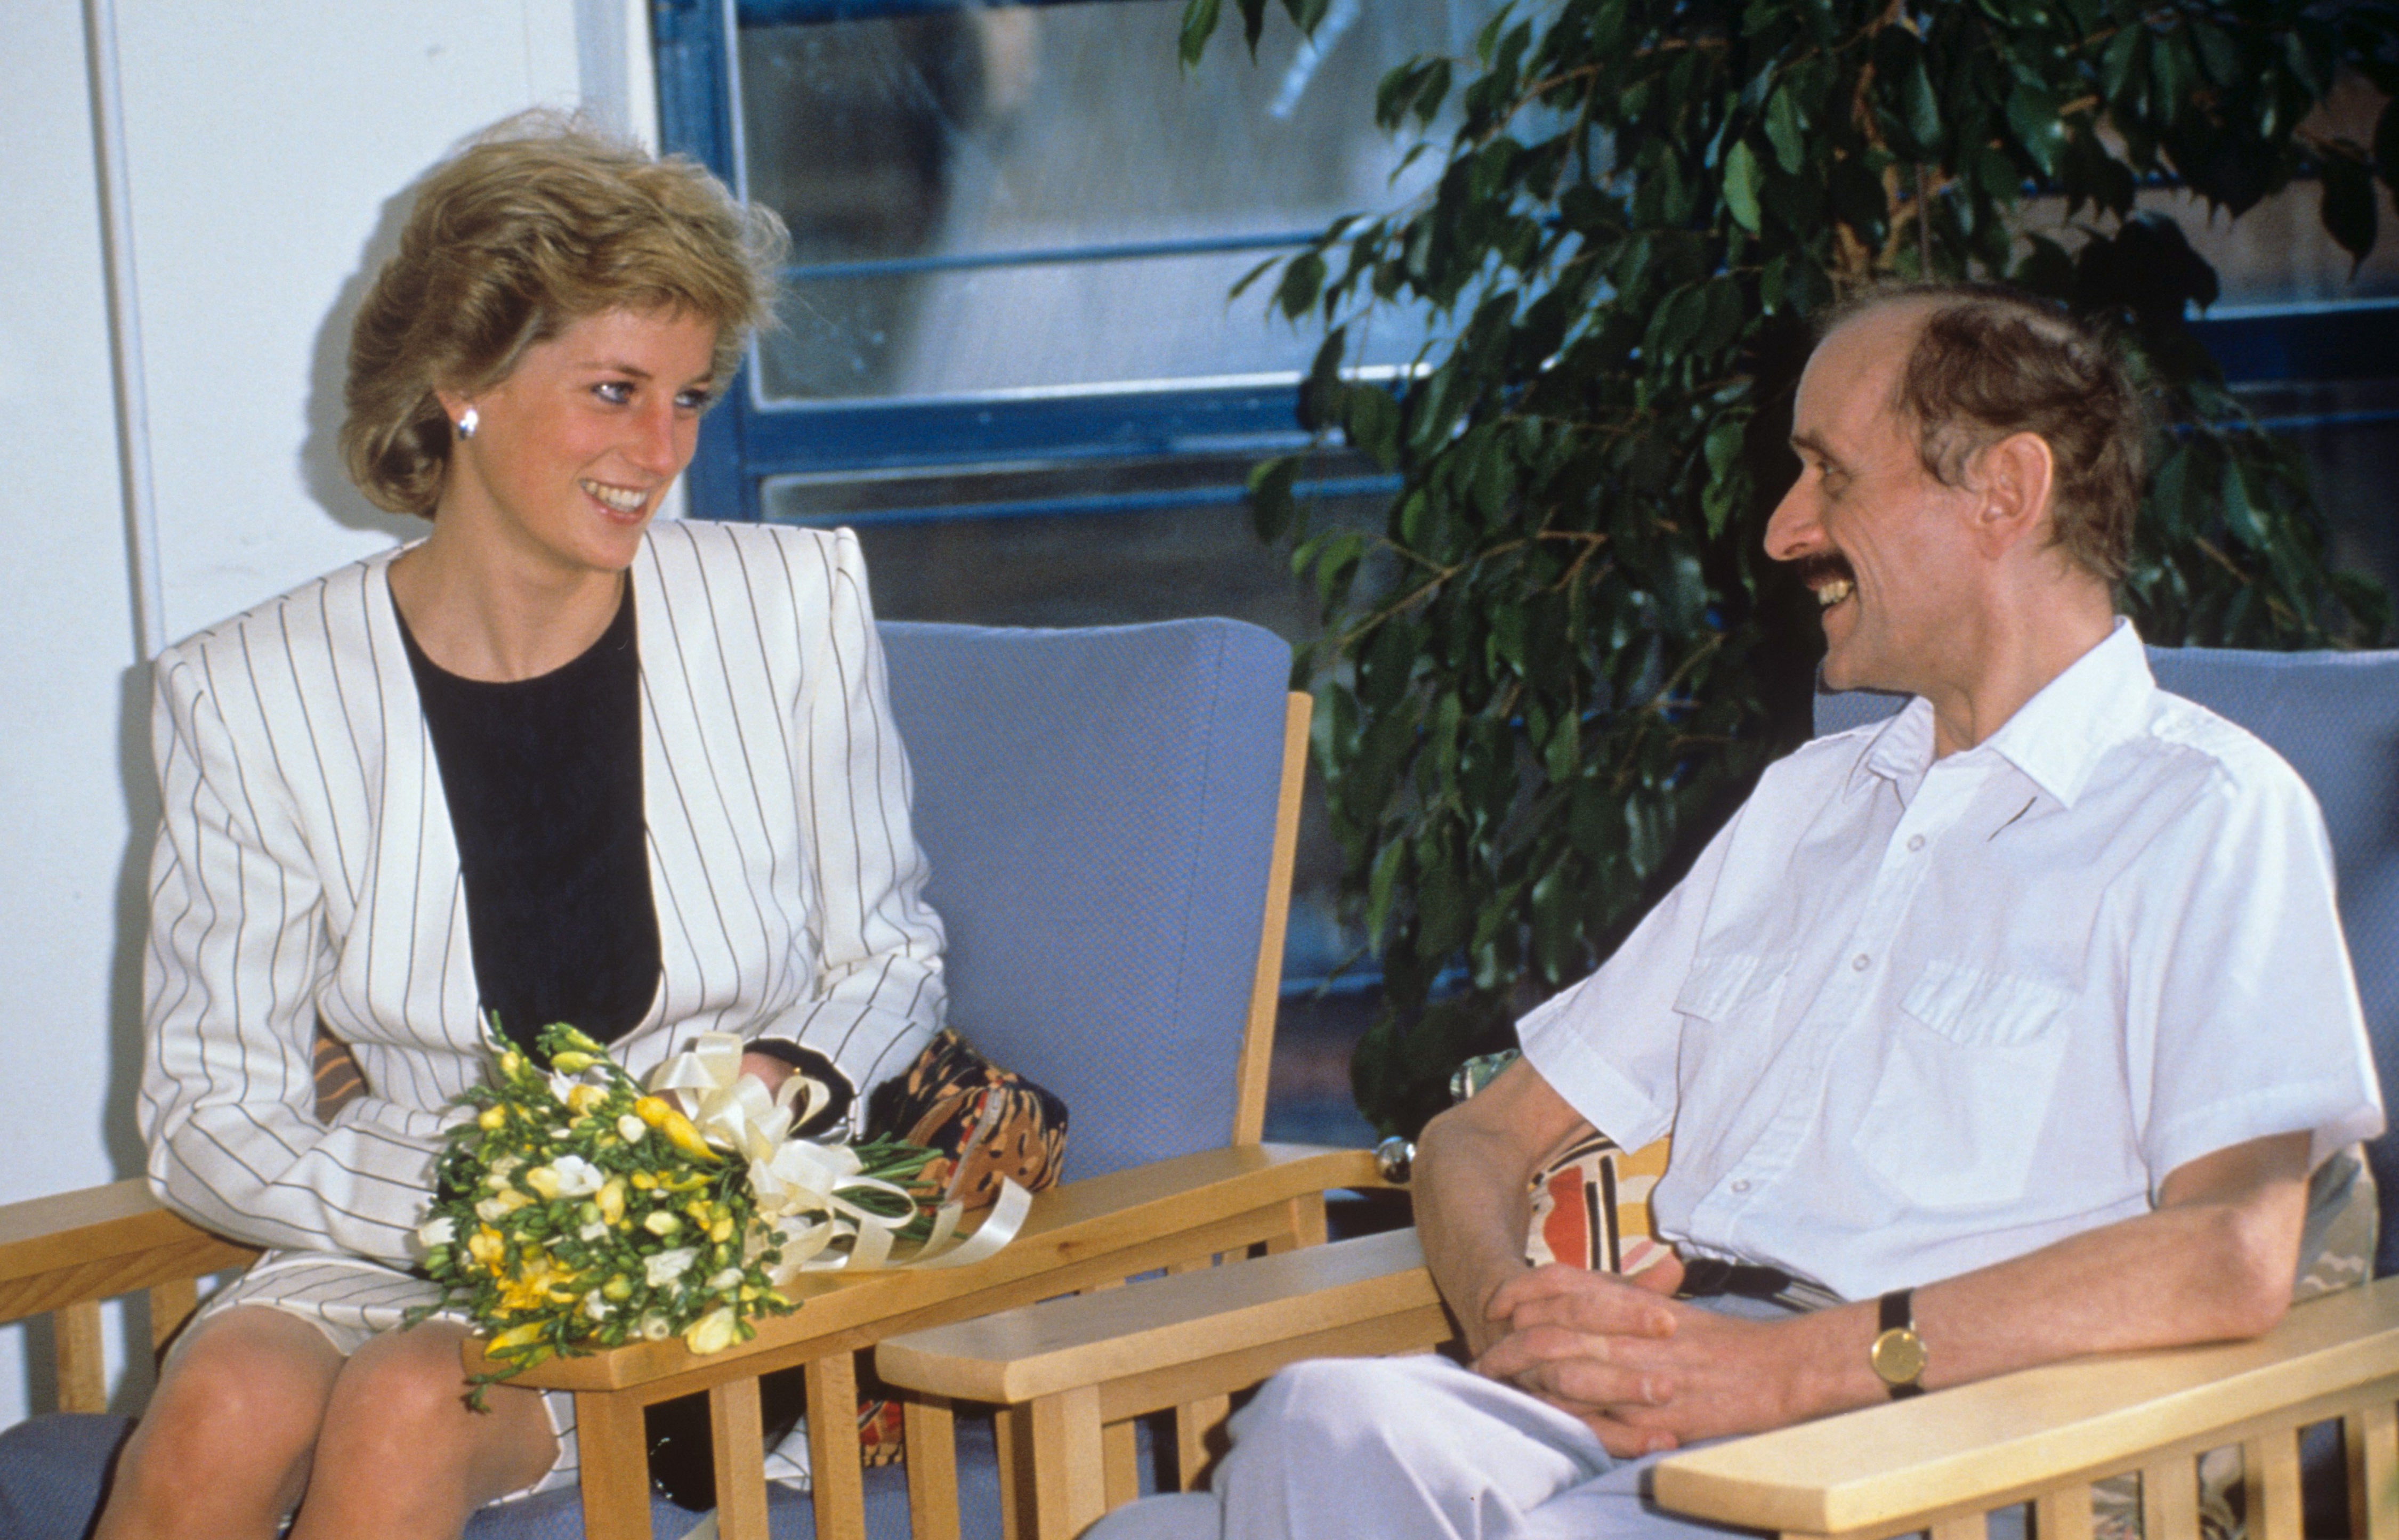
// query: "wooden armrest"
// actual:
[[2004, 1440], [1086, 1233], [98, 1243], [1018, 1356]]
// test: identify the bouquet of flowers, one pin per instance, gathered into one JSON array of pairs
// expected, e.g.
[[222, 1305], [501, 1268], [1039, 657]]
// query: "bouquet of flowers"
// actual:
[[578, 1209]]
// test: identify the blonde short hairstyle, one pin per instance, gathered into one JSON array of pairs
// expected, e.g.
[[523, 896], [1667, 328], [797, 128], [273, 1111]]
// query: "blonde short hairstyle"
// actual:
[[539, 223]]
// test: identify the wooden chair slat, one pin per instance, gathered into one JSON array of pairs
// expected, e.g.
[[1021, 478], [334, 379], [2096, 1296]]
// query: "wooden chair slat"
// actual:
[[2370, 1440], [2270, 1483], [738, 1452]]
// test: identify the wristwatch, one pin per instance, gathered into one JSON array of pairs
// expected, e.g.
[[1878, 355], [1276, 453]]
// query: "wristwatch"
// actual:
[[1898, 1355]]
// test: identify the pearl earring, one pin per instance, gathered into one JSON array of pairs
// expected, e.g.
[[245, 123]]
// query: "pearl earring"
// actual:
[[466, 421]]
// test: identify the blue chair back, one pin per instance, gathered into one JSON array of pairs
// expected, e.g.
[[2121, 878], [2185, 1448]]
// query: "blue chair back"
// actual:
[[1098, 808], [2335, 717]]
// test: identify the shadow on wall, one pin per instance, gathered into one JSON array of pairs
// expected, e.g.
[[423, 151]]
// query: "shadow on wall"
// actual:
[[329, 486], [320, 451]]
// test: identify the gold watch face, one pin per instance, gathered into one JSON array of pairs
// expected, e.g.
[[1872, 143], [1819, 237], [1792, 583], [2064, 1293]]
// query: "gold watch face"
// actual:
[[1897, 1356]]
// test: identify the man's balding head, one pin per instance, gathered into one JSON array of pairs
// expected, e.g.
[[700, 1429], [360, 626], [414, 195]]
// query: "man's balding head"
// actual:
[[1986, 362]]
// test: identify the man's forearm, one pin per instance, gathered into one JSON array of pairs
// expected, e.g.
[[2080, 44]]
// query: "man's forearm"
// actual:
[[2213, 1263], [1471, 1210]]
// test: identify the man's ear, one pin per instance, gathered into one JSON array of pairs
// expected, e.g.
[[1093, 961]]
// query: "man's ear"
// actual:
[[2017, 478]]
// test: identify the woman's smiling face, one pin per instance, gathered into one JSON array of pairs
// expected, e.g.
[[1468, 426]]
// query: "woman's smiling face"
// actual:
[[573, 450]]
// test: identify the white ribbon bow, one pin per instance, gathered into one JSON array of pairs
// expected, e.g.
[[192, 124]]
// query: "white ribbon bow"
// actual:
[[800, 1184]]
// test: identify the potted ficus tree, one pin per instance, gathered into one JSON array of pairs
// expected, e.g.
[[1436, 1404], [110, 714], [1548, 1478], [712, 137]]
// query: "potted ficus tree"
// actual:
[[1581, 658]]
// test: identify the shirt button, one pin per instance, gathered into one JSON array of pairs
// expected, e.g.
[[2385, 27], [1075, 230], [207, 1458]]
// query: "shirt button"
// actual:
[[1916, 842], [1861, 962], [1741, 1184]]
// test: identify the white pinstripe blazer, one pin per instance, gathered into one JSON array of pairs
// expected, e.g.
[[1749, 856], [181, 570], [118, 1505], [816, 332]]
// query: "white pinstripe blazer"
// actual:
[[305, 866]]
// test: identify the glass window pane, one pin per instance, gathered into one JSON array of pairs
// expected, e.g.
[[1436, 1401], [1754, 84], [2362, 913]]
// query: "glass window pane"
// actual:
[[1031, 131]]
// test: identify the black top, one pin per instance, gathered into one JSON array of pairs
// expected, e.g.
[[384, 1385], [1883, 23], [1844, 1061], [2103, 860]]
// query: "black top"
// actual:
[[544, 780]]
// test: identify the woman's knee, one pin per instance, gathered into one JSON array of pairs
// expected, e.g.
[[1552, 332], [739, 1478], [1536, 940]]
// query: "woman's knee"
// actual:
[[239, 1407], [401, 1401]]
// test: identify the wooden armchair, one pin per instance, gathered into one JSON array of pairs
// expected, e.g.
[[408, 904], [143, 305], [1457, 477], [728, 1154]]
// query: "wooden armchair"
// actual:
[[1075, 1368], [1110, 816]]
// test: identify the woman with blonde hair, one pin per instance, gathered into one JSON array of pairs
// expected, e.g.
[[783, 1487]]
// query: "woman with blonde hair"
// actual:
[[549, 762]]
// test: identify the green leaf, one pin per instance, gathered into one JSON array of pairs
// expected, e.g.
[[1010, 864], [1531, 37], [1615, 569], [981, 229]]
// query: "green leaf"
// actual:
[[1370, 418], [1302, 281], [1381, 886], [1646, 832], [1198, 25], [1785, 133], [1271, 507], [1742, 178], [2032, 116], [2348, 211], [1253, 275], [1922, 109]]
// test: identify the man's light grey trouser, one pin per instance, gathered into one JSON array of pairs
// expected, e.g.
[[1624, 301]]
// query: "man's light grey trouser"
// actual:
[[1411, 1449]]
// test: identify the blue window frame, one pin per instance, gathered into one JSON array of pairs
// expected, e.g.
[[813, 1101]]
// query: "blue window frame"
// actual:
[[751, 440]]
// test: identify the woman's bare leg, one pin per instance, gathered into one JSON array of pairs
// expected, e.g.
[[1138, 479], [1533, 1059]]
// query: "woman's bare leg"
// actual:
[[224, 1451], [400, 1456]]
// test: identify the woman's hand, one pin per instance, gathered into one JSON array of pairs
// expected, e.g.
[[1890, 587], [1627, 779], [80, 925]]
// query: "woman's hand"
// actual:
[[770, 1070]]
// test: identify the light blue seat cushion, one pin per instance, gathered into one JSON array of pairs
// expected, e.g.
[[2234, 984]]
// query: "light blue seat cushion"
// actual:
[[2335, 717], [51, 1470], [1098, 806]]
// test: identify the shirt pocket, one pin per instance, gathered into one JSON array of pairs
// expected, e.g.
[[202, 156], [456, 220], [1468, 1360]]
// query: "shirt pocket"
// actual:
[[1970, 1067]]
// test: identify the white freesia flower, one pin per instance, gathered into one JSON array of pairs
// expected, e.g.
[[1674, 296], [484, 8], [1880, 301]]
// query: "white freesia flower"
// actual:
[[596, 1230], [596, 1307], [728, 1279], [661, 1268], [630, 1129], [441, 1231], [576, 1176], [655, 1327]]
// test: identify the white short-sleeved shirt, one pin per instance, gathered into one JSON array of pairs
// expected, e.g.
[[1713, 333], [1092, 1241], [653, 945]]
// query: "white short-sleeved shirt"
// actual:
[[1906, 1018]]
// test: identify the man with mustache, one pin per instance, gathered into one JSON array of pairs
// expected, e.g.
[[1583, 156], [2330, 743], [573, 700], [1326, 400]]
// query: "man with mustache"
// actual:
[[2008, 1030]]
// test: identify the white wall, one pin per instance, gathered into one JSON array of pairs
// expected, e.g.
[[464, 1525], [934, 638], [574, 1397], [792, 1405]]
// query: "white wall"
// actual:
[[266, 151]]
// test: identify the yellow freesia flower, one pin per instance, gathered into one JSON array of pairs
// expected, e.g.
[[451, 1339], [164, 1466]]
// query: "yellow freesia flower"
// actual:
[[487, 1246], [582, 1098], [660, 1114], [611, 1199], [492, 1117], [515, 1336], [713, 1332]]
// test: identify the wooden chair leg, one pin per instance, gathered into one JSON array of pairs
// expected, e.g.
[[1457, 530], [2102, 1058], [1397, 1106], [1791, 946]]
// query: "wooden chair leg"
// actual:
[[838, 1490], [614, 1447], [1307, 1226], [1198, 1440], [738, 1439], [2269, 1486], [2370, 1439], [929, 1432], [83, 1365], [2170, 1501], [1120, 1460], [1014, 1439], [1069, 1464], [1970, 1526], [171, 1305]]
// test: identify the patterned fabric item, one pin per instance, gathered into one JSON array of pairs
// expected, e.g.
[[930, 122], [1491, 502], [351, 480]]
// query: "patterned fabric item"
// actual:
[[338, 1081], [1591, 1198], [987, 1123]]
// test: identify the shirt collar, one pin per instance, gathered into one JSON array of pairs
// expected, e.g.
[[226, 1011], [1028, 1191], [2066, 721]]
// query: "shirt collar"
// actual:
[[2056, 738]]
